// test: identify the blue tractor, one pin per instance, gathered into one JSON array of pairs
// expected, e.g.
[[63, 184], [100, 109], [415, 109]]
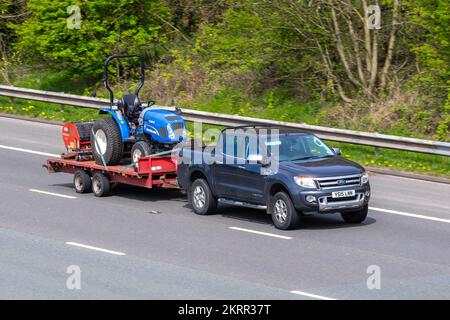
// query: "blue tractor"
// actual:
[[134, 129]]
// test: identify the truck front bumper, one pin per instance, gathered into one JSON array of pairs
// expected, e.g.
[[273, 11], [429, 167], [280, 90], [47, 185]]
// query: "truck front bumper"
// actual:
[[324, 203]]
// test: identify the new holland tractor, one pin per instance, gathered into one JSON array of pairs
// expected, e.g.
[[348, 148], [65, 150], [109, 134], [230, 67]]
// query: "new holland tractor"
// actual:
[[133, 128]]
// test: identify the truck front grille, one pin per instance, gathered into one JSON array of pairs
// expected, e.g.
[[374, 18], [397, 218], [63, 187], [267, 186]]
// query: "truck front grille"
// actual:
[[339, 182]]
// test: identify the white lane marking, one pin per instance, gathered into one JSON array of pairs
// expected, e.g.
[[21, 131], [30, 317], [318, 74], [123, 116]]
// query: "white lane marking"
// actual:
[[406, 178], [413, 215], [261, 233], [94, 248], [29, 151], [52, 194], [310, 295]]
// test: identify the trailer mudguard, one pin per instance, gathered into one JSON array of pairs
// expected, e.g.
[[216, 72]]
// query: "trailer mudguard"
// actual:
[[120, 120]]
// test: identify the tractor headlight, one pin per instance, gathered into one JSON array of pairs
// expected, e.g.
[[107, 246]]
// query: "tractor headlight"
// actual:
[[170, 131], [364, 178], [305, 182]]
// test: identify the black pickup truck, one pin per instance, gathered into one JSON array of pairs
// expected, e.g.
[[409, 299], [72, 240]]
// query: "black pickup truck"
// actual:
[[287, 173]]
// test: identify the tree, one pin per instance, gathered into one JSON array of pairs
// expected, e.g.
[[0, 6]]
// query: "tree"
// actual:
[[123, 26], [9, 10], [354, 58]]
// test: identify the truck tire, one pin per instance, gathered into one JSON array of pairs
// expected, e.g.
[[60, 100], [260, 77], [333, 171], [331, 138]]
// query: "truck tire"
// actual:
[[284, 215], [100, 185], [106, 140], [82, 182], [140, 149], [355, 217], [201, 197]]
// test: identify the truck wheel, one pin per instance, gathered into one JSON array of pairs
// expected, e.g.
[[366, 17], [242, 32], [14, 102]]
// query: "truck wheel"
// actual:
[[140, 149], [82, 182], [106, 141], [201, 197], [284, 215], [356, 216], [100, 185]]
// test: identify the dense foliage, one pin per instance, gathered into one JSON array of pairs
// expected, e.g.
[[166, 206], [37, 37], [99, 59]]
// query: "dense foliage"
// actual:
[[318, 61]]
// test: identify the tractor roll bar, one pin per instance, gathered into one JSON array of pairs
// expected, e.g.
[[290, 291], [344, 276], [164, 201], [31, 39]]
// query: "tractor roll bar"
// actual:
[[122, 56]]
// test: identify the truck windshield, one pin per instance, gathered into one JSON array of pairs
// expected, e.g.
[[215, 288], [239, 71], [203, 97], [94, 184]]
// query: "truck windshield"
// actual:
[[298, 147]]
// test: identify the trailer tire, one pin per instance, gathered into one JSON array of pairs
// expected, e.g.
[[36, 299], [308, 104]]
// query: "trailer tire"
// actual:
[[106, 136], [100, 185], [82, 182], [202, 199]]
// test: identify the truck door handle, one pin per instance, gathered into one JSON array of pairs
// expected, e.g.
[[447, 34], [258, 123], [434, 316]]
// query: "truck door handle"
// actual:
[[241, 167]]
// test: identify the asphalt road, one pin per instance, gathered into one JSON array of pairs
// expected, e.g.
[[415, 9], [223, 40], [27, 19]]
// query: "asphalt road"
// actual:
[[155, 247]]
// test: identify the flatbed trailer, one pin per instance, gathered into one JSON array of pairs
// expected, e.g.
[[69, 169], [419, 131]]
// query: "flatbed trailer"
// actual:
[[150, 172]]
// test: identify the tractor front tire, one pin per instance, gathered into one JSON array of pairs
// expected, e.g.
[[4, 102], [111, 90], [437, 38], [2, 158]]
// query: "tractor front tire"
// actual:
[[106, 141], [140, 149]]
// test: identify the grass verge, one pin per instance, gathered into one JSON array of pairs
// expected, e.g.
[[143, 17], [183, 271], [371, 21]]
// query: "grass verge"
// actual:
[[369, 156]]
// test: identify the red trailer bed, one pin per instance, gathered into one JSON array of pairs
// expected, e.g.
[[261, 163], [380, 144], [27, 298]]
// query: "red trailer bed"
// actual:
[[159, 171]]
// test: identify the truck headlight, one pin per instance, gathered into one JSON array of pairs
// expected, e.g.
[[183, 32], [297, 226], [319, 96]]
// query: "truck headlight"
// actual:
[[364, 178], [305, 182], [170, 131]]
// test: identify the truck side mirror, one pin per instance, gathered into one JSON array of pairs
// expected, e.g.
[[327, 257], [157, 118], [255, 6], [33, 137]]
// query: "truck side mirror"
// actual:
[[259, 159], [337, 151]]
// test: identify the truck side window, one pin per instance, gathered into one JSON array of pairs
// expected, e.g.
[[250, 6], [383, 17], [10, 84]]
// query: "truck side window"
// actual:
[[251, 146], [230, 144]]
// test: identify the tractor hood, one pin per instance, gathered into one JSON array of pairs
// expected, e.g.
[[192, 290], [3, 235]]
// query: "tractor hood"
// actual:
[[164, 126]]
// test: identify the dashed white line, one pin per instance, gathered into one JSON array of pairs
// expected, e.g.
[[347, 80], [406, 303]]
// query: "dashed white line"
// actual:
[[95, 248], [261, 233], [310, 295], [413, 215], [29, 151], [52, 194]]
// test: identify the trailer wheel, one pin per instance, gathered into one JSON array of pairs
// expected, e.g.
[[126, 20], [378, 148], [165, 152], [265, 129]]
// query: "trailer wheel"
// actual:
[[201, 197], [106, 141], [82, 182], [100, 185]]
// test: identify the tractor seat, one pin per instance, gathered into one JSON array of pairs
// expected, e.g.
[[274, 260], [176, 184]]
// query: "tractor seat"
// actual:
[[131, 105]]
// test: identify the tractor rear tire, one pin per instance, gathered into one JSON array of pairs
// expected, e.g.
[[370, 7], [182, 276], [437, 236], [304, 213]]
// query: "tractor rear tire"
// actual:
[[140, 149], [106, 141]]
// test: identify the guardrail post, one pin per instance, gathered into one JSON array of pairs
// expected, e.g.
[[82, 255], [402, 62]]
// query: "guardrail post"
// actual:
[[377, 151]]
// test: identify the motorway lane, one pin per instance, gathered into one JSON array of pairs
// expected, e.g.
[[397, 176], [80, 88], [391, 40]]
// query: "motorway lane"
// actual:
[[36, 268], [325, 256]]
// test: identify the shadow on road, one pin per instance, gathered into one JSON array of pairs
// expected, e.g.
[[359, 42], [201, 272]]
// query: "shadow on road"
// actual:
[[138, 193], [314, 222]]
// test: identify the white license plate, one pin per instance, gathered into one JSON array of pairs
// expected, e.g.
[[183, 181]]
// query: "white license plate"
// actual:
[[343, 194]]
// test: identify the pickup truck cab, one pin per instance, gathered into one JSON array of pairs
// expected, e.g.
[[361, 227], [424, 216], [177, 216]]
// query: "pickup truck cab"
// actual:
[[286, 173]]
